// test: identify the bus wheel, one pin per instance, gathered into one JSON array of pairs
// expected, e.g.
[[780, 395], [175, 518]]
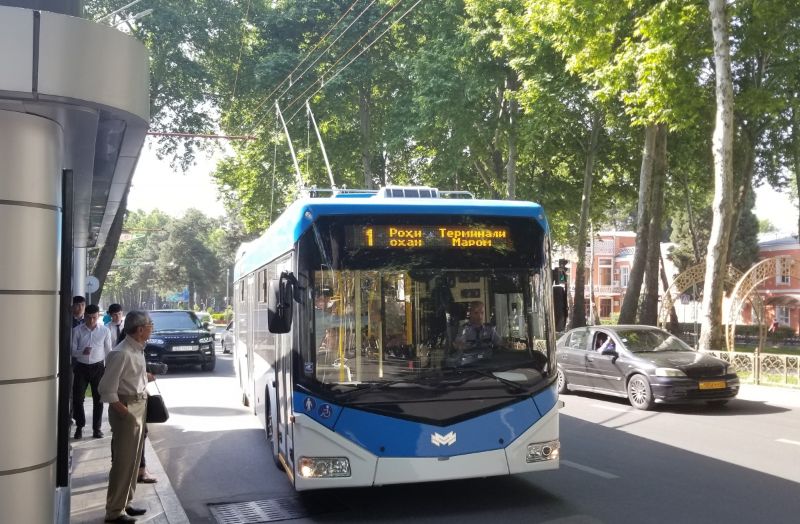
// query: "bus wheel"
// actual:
[[269, 430]]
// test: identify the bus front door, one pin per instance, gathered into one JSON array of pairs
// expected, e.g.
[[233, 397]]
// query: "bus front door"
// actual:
[[283, 378]]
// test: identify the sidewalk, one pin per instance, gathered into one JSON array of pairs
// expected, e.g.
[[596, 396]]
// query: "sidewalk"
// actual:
[[91, 461], [776, 395]]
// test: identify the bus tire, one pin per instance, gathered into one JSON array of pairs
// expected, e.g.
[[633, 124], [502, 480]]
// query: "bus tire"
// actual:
[[269, 430]]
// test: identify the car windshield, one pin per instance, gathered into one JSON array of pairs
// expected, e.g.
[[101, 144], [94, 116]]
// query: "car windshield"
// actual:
[[651, 341], [174, 320]]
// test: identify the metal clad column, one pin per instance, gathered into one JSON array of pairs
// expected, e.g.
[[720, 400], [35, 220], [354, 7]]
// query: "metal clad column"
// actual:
[[30, 219]]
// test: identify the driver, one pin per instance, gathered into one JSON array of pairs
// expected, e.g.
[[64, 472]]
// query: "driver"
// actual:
[[477, 333]]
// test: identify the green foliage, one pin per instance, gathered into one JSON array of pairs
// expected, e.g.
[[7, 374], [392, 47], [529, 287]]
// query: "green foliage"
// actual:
[[160, 255]]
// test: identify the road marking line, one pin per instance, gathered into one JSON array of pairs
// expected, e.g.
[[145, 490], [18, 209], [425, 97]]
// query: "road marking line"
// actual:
[[787, 441], [611, 408], [587, 469]]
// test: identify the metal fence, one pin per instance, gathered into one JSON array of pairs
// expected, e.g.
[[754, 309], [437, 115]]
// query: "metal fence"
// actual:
[[765, 368]]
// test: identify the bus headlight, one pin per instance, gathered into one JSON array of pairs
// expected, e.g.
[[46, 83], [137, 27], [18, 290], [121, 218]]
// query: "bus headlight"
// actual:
[[323, 467], [541, 451]]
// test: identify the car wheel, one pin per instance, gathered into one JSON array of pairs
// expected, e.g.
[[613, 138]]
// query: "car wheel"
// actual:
[[717, 403], [209, 366], [562, 383], [639, 393]]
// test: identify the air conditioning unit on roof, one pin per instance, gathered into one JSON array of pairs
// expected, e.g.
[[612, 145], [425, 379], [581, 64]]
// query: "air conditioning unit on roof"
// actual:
[[408, 192]]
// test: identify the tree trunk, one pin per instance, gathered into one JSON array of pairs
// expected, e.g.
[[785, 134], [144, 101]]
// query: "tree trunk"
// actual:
[[364, 100], [511, 165], [743, 183], [578, 317], [690, 219], [630, 304], [796, 155], [649, 312], [106, 255], [673, 315], [711, 336]]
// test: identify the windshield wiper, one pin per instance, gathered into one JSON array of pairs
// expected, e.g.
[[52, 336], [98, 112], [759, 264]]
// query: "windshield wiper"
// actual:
[[367, 386], [489, 374]]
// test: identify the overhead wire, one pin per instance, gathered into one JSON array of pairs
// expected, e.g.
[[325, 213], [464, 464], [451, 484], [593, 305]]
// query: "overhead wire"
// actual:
[[289, 76], [323, 75], [322, 85], [300, 97], [241, 48]]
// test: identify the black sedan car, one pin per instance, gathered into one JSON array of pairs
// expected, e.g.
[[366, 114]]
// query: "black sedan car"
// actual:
[[644, 364], [180, 338]]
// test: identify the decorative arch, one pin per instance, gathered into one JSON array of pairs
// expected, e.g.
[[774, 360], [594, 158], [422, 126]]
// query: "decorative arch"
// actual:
[[767, 268], [693, 275]]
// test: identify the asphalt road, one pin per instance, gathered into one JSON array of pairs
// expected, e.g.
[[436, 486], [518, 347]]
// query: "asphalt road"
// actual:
[[739, 463]]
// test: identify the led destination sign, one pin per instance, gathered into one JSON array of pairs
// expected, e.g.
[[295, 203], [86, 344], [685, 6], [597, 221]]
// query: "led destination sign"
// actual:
[[442, 236]]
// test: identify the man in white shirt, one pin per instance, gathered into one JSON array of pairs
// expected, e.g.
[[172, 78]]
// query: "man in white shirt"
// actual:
[[123, 388], [91, 342]]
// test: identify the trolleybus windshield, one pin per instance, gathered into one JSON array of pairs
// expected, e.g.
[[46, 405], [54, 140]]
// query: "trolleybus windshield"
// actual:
[[426, 301]]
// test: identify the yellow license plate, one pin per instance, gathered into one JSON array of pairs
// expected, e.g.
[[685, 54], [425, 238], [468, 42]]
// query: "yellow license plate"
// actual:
[[717, 384]]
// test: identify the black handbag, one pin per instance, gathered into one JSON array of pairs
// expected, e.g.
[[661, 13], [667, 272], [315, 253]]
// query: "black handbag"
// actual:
[[156, 409]]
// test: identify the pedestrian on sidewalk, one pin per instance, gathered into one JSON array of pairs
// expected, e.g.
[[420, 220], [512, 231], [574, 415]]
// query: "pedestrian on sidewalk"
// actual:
[[115, 324], [91, 343], [123, 388], [78, 310]]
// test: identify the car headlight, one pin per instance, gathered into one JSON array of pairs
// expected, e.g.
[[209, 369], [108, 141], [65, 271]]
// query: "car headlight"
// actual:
[[730, 369], [669, 372], [206, 340], [156, 341]]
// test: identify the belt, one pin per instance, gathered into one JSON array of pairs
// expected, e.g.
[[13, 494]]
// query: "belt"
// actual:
[[132, 398]]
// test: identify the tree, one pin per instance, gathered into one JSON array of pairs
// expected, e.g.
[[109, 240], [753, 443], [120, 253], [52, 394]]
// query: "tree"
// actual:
[[185, 258], [722, 206]]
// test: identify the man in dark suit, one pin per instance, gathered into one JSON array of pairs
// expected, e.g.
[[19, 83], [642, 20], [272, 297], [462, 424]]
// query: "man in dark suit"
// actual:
[[115, 325], [78, 308]]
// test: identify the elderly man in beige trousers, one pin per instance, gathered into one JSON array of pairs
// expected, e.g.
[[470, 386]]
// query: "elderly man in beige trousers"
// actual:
[[123, 388]]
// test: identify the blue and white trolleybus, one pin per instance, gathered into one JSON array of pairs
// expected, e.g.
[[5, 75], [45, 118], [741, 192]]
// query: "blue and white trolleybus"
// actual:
[[399, 336]]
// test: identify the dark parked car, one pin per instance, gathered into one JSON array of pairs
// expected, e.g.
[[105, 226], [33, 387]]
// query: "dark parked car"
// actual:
[[644, 364], [180, 338]]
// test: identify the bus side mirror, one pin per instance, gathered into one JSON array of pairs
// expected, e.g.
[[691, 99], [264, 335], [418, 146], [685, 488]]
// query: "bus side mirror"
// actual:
[[280, 301]]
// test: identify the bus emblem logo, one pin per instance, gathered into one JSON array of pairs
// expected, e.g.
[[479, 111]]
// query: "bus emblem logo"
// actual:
[[443, 440]]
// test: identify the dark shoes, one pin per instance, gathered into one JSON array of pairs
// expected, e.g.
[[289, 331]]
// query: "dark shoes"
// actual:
[[97, 433], [146, 479], [122, 518], [78, 433], [135, 512]]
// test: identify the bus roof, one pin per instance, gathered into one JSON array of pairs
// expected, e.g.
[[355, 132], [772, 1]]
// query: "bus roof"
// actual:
[[298, 217]]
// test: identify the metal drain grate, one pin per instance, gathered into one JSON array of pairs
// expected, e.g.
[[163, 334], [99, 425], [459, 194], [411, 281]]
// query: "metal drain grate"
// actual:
[[270, 510]]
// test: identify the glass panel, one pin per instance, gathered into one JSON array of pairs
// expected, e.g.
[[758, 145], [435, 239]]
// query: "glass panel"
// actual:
[[174, 320], [373, 326]]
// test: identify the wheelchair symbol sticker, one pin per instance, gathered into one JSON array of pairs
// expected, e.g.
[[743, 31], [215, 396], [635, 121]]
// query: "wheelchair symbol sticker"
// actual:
[[325, 411]]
